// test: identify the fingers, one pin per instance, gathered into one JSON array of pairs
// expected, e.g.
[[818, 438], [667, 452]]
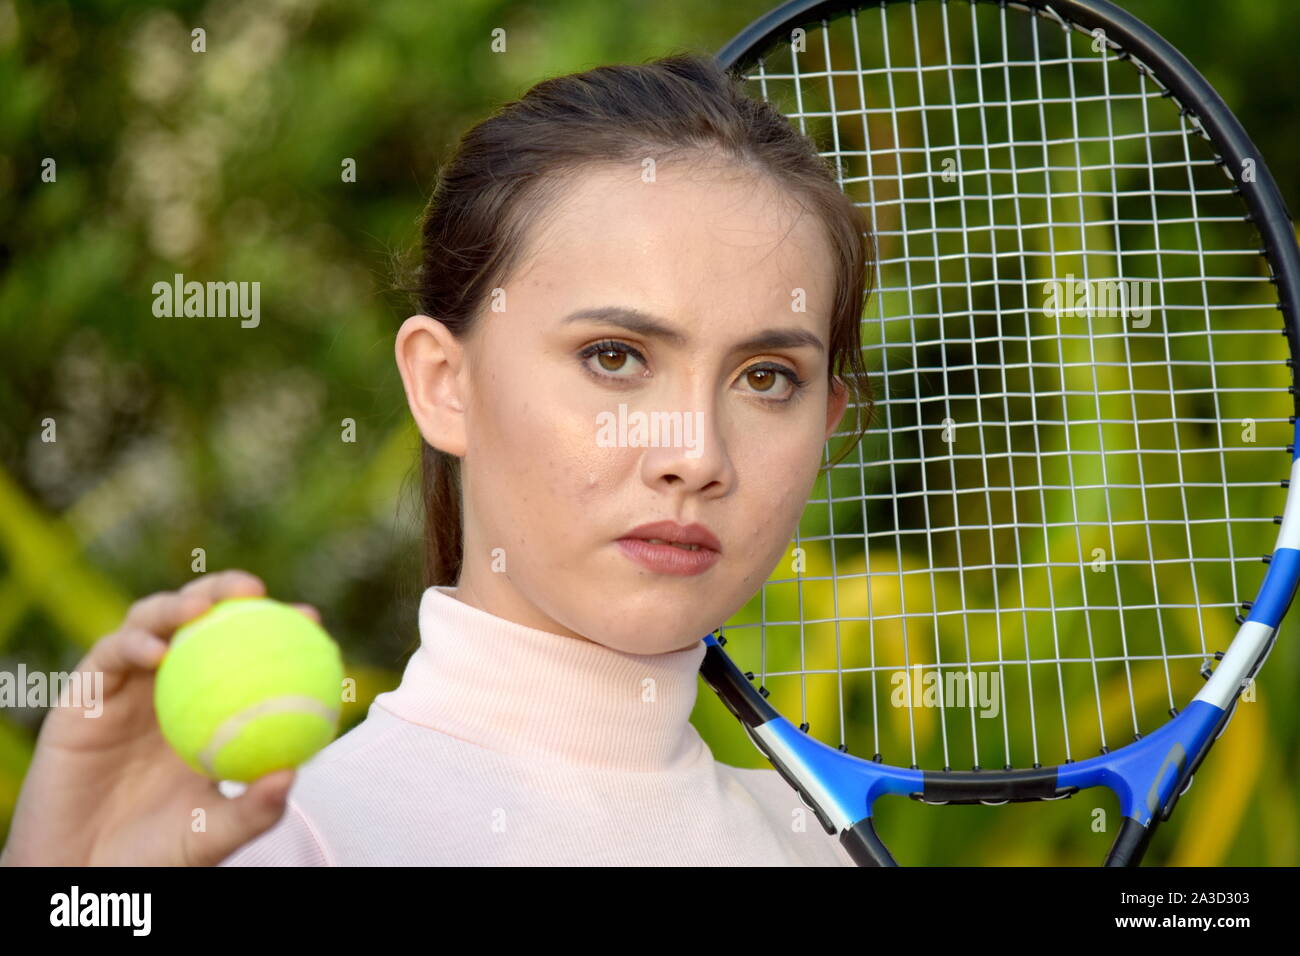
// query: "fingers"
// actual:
[[126, 649], [141, 641], [164, 612], [234, 822], [310, 611], [226, 584]]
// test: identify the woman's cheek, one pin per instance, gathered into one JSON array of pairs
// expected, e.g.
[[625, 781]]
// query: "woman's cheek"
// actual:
[[562, 451], [787, 497]]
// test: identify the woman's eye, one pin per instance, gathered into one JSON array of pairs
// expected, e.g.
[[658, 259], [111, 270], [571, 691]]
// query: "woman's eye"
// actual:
[[617, 360], [611, 359], [762, 379]]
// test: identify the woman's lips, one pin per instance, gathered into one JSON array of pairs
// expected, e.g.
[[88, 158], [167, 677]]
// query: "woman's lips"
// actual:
[[668, 558]]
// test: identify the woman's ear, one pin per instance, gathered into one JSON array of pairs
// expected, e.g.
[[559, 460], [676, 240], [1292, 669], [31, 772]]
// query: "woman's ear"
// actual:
[[836, 403], [431, 360]]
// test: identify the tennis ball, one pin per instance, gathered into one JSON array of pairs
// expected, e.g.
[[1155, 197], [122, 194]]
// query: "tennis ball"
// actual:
[[249, 687]]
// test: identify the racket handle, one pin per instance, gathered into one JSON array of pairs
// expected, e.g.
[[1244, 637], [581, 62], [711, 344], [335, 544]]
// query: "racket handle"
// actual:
[[1131, 843], [864, 846]]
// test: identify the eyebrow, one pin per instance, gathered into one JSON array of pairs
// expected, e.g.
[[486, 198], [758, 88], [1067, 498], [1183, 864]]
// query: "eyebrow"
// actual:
[[634, 320]]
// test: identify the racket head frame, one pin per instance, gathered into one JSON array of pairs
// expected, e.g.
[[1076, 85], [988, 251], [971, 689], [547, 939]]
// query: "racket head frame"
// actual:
[[1149, 774]]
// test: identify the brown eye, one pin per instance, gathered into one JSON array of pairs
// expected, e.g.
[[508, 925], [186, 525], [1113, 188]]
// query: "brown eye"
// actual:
[[761, 379], [613, 358], [612, 361]]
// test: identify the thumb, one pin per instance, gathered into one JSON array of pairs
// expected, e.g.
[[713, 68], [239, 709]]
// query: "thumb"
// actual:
[[236, 821]]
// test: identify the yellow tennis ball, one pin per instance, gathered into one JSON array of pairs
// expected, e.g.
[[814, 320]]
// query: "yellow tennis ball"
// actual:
[[249, 687]]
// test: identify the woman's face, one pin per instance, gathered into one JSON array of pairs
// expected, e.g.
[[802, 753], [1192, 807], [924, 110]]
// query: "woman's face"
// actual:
[[543, 406]]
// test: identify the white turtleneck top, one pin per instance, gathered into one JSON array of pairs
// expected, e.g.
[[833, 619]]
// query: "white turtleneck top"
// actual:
[[508, 745]]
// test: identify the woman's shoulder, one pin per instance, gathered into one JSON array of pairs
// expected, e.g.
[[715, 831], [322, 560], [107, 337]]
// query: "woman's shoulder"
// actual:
[[375, 795], [393, 792], [344, 780]]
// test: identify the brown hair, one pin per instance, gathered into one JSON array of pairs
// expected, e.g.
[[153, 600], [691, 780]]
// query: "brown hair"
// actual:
[[508, 169]]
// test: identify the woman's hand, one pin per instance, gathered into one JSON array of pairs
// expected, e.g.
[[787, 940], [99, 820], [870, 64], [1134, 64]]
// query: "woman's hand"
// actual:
[[109, 790]]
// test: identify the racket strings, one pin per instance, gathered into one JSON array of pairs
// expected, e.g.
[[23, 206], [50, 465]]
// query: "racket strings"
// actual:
[[1081, 402]]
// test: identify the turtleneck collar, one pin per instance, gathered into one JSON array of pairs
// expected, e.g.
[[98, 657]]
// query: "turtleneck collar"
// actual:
[[523, 691]]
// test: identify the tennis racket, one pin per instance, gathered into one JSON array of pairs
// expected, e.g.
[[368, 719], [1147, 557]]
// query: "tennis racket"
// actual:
[[1081, 344]]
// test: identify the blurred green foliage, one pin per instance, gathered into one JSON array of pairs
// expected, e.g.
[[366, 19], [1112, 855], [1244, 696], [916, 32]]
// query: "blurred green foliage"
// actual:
[[176, 434]]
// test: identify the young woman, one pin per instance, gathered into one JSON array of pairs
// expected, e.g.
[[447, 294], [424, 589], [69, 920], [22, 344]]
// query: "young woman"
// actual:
[[630, 241]]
